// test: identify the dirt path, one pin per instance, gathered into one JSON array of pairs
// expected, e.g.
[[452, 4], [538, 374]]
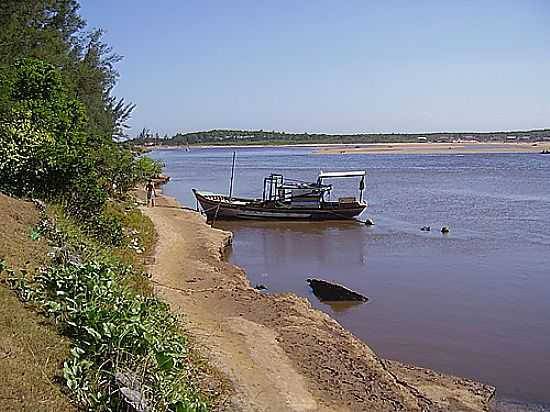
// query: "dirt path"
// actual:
[[278, 352]]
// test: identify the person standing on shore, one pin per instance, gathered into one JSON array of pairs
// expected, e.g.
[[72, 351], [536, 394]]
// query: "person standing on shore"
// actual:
[[151, 193]]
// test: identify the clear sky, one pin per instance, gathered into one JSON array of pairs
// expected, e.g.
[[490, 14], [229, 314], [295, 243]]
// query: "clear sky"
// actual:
[[331, 66]]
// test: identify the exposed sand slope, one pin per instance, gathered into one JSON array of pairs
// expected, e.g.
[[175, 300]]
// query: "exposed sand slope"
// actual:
[[278, 352], [31, 352], [438, 148]]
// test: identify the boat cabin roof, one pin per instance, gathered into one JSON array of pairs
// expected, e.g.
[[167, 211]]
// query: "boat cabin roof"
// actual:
[[354, 173]]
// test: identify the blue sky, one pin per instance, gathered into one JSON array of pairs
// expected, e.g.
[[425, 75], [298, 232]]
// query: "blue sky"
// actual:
[[329, 66]]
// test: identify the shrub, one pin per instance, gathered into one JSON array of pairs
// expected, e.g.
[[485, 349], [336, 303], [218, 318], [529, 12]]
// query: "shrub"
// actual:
[[146, 168], [123, 342], [84, 198], [23, 156], [107, 229], [115, 332], [45, 151]]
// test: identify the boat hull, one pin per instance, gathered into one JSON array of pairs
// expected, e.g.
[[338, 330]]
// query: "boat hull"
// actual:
[[218, 207]]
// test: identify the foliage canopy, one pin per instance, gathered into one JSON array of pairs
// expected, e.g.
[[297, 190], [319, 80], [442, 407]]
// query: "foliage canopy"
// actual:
[[58, 117]]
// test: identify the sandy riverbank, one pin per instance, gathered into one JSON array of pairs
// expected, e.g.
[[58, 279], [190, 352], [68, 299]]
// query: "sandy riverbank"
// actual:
[[386, 148], [438, 148], [278, 352]]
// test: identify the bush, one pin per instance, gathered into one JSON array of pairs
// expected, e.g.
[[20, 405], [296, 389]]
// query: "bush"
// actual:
[[114, 333], [45, 151], [122, 171], [23, 156], [120, 338], [146, 168], [85, 199], [107, 229]]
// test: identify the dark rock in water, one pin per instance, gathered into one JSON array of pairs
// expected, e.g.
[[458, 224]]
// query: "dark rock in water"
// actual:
[[260, 287], [445, 229], [425, 228], [369, 222], [332, 292]]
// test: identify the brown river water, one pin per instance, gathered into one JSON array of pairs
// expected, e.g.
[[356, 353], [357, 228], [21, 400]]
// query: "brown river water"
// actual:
[[474, 302]]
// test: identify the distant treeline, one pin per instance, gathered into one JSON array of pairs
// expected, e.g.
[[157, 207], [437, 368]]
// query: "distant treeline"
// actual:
[[232, 137]]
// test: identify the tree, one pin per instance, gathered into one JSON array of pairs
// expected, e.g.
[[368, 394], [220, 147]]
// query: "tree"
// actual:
[[46, 150], [54, 32], [41, 131]]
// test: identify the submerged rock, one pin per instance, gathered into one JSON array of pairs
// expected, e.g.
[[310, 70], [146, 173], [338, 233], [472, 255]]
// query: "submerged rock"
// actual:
[[332, 292]]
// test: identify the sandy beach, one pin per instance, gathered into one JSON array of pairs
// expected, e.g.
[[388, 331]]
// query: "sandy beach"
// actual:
[[389, 148], [438, 148], [277, 352]]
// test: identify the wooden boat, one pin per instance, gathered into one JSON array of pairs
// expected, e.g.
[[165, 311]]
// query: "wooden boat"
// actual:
[[287, 199]]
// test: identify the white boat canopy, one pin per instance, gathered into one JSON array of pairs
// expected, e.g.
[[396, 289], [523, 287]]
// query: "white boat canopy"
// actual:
[[328, 175]]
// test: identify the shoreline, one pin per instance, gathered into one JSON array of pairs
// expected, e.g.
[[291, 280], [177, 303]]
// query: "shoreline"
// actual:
[[279, 353], [391, 148], [441, 148]]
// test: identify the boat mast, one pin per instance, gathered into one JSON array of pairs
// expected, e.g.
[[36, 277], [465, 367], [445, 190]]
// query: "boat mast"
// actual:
[[231, 181]]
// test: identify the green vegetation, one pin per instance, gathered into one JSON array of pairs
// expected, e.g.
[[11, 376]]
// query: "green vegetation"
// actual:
[[119, 331], [46, 151], [58, 117], [32, 352], [53, 31], [59, 130], [261, 137], [118, 335]]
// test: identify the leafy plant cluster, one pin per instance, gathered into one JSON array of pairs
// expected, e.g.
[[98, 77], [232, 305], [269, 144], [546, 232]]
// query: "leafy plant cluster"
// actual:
[[46, 151], [59, 121], [59, 124], [126, 348], [54, 32], [121, 226]]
